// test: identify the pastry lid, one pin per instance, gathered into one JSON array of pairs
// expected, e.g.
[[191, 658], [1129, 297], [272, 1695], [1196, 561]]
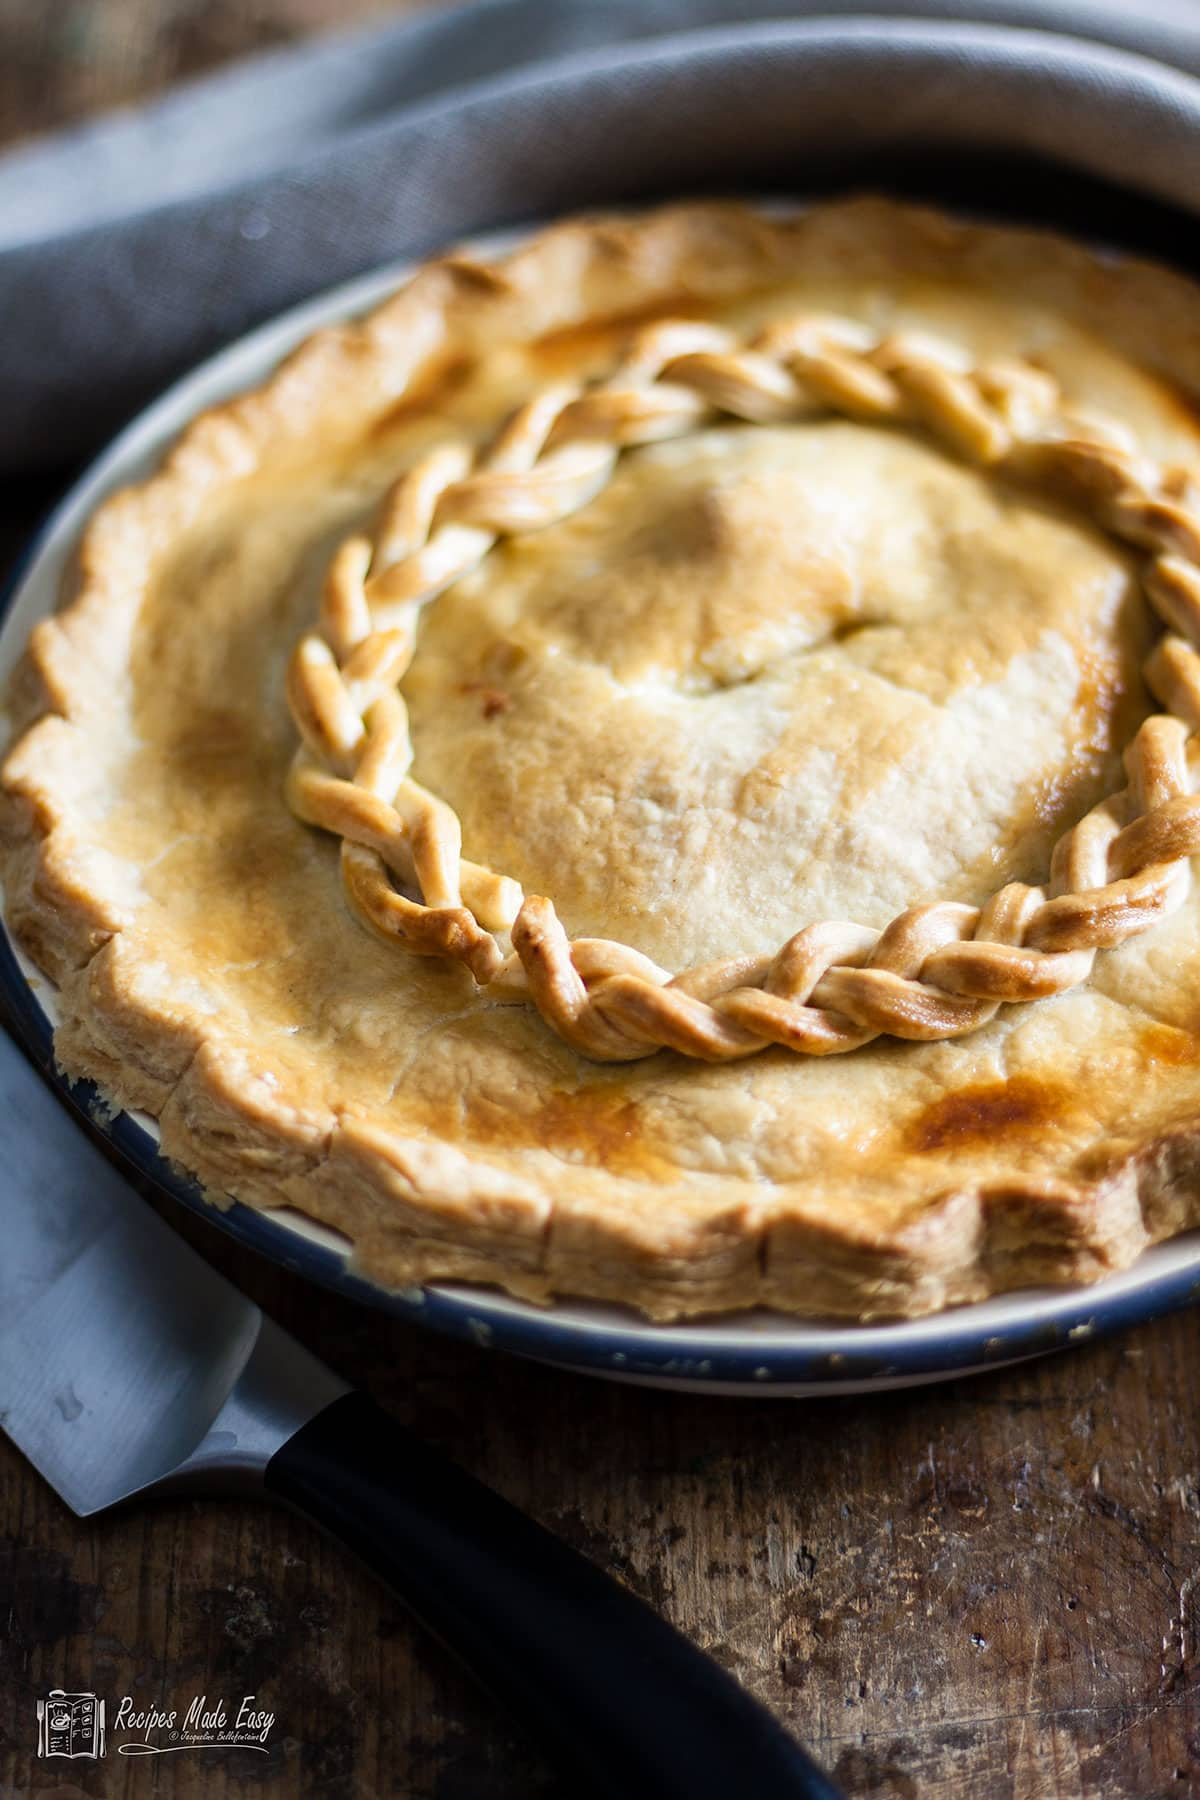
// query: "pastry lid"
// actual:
[[756, 1351]]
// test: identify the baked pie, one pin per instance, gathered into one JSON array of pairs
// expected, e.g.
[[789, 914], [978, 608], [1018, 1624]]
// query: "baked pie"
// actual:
[[659, 768]]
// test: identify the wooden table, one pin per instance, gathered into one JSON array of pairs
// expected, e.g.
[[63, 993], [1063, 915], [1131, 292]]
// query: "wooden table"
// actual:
[[980, 1590]]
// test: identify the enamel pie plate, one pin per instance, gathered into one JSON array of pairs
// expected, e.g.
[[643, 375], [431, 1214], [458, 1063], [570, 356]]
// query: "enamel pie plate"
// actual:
[[757, 1352]]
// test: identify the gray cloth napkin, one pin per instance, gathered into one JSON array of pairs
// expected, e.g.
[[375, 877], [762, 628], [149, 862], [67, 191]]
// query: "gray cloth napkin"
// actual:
[[131, 246]]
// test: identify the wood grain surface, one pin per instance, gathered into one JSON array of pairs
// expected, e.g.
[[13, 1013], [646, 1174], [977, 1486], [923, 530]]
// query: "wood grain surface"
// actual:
[[985, 1589], [63, 59]]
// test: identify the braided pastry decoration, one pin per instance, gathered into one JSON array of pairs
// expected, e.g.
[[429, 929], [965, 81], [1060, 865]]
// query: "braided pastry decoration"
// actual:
[[937, 970]]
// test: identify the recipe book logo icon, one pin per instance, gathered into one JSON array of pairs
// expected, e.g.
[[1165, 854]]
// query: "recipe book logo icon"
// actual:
[[70, 1725]]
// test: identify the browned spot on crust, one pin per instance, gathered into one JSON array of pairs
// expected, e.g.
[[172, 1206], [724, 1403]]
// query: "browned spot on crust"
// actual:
[[470, 274], [441, 377], [598, 1124], [491, 700], [563, 349], [1179, 399], [1169, 1044], [214, 731], [989, 1112], [1109, 698]]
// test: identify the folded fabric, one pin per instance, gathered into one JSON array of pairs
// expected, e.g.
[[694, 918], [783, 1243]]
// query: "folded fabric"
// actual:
[[131, 246]]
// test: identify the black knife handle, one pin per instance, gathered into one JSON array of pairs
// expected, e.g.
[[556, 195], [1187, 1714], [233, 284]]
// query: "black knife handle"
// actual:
[[616, 1694]]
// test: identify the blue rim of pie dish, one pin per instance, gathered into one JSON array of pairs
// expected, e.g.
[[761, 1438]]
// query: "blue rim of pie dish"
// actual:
[[739, 1354]]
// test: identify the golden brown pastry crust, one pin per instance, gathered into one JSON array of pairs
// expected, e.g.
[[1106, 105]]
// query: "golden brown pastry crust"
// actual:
[[210, 973], [939, 969]]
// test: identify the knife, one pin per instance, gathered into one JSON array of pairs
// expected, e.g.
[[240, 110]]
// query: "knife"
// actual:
[[129, 1367]]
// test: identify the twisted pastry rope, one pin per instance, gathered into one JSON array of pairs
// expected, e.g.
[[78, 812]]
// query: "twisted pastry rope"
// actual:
[[937, 970]]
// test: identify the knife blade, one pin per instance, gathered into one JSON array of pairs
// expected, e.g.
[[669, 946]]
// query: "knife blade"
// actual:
[[119, 1346], [128, 1366]]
